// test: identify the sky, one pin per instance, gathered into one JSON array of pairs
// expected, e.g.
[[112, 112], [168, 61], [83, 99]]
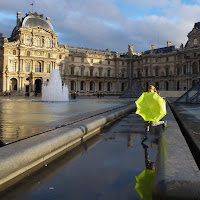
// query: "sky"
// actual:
[[110, 24]]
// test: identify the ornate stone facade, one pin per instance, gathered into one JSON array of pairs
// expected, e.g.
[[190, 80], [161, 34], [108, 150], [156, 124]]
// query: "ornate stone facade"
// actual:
[[32, 52], [170, 68]]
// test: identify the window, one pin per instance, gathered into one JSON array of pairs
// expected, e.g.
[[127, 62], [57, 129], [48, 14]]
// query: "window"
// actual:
[[28, 40], [146, 60], [38, 67], [109, 86], [28, 53], [60, 56], [27, 67], [14, 52], [82, 85], [48, 42], [194, 68], [100, 72], [72, 85], [109, 62], [184, 69], [91, 86], [72, 70], [167, 59], [108, 72], [82, 71], [123, 73], [38, 42], [167, 71], [82, 60], [91, 71], [138, 73], [156, 59], [146, 72], [122, 87], [100, 62], [49, 55], [100, 86], [48, 68], [13, 67], [72, 59], [156, 71], [195, 41], [91, 60], [122, 62], [166, 84]]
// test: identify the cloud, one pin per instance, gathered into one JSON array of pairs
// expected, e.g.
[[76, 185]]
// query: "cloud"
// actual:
[[110, 24]]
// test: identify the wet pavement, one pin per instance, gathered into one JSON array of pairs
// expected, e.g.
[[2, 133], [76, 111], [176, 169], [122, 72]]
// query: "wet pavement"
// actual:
[[22, 117], [102, 168]]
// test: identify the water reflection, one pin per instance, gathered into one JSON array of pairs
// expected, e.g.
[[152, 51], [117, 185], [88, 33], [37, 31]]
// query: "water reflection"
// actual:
[[22, 119]]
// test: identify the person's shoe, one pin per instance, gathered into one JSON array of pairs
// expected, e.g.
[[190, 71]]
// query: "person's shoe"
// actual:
[[165, 124], [144, 139]]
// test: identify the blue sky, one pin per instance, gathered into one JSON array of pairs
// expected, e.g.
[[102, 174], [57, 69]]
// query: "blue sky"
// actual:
[[111, 24]]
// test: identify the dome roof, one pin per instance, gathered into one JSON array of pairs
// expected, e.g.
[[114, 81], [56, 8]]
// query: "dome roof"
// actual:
[[34, 20]]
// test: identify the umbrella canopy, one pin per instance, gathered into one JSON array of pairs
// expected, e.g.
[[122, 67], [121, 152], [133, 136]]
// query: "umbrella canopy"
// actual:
[[151, 107], [144, 184]]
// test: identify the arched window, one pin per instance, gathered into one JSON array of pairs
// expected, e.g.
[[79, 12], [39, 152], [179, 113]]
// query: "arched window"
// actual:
[[73, 85], [82, 85], [194, 82], [38, 67], [28, 53], [14, 52], [13, 84], [60, 56], [91, 86]]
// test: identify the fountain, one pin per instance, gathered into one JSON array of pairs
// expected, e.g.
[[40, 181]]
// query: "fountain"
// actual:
[[54, 91]]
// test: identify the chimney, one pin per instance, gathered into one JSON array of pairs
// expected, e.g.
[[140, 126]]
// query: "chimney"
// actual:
[[48, 19], [18, 18], [153, 46], [169, 44]]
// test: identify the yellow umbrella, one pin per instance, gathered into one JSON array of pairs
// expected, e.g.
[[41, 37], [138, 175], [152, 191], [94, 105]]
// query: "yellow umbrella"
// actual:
[[151, 107], [144, 184]]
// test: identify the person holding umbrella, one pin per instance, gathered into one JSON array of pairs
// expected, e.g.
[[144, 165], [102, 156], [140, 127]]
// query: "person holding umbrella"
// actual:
[[151, 107]]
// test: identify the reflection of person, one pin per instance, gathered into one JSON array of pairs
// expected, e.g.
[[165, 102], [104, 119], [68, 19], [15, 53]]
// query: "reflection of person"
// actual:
[[151, 88], [148, 163]]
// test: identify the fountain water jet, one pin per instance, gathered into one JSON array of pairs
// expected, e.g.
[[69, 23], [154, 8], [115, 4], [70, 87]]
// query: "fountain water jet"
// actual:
[[54, 91]]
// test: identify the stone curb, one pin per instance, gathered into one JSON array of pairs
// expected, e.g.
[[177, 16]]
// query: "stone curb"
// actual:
[[20, 159], [177, 175]]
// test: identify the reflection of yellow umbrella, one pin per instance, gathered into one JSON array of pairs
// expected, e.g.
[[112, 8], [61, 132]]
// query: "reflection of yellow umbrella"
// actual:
[[144, 184], [151, 107]]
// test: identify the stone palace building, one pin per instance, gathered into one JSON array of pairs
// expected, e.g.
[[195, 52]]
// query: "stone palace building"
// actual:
[[32, 52]]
